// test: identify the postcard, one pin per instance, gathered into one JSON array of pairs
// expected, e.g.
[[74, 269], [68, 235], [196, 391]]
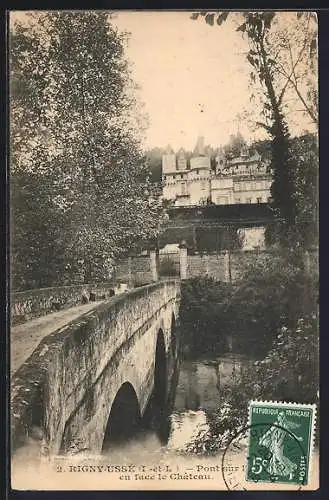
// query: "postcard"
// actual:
[[164, 250]]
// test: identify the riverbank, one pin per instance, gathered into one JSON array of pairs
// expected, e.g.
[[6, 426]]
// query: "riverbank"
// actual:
[[269, 316]]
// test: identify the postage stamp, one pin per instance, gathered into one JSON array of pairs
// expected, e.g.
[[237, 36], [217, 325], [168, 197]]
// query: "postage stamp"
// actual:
[[280, 442]]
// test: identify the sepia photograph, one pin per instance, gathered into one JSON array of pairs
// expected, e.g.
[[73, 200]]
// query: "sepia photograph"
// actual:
[[164, 280]]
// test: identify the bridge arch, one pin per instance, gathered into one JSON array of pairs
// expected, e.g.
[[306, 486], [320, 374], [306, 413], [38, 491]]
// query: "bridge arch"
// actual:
[[174, 339], [118, 352], [124, 418], [160, 371]]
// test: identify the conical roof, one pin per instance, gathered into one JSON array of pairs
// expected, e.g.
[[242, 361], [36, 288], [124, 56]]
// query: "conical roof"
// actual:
[[169, 150], [199, 149]]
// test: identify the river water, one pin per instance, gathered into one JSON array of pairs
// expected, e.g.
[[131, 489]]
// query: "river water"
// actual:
[[199, 395], [173, 459]]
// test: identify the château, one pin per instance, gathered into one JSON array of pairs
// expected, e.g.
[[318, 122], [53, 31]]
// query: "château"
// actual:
[[222, 180]]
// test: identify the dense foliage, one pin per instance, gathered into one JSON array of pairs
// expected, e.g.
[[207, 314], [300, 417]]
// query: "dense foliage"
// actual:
[[283, 59], [305, 152], [304, 168], [203, 324], [273, 291], [271, 315], [81, 194]]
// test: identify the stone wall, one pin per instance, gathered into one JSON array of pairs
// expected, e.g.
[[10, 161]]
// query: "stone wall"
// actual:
[[224, 266], [230, 266], [239, 261], [135, 270], [67, 386], [34, 303], [213, 265]]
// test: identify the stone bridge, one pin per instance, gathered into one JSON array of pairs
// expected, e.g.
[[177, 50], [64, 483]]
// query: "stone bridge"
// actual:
[[91, 380]]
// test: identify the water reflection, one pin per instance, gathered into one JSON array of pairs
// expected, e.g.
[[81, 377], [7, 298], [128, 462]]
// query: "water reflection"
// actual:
[[199, 392], [201, 382], [185, 420], [186, 428]]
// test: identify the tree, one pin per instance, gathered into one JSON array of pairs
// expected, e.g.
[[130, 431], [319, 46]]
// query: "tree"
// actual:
[[73, 116], [34, 224], [235, 145], [304, 150], [154, 162], [293, 46], [202, 315], [270, 293], [258, 27]]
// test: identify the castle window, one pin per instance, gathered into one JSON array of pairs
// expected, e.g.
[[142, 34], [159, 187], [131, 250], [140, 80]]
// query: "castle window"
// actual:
[[181, 176], [174, 176], [222, 200], [197, 172]]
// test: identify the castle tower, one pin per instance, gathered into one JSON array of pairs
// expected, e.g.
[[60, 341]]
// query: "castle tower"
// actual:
[[174, 177], [244, 153], [220, 162], [199, 175], [199, 149], [168, 161], [169, 150], [181, 160]]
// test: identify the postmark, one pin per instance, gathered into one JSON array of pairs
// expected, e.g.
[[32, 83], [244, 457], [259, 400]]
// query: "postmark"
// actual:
[[275, 447]]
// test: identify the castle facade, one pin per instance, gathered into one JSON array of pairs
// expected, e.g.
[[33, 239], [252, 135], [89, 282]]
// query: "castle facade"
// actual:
[[222, 181]]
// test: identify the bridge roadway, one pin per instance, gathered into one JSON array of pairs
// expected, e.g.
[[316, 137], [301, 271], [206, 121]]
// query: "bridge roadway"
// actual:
[[25, 338]]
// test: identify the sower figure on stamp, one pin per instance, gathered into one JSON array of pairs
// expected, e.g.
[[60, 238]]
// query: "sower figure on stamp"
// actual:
[[273, 439]]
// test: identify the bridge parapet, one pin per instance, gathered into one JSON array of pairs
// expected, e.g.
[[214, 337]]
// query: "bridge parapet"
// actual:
[[59, 376], [34, 303]]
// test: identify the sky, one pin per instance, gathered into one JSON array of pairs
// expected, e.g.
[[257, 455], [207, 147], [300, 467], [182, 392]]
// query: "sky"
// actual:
[[194, 78]]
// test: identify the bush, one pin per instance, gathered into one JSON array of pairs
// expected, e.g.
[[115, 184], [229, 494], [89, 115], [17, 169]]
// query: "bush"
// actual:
[[201, 315], [290, 369], [271, 312], [289, 372], [273, 292]]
